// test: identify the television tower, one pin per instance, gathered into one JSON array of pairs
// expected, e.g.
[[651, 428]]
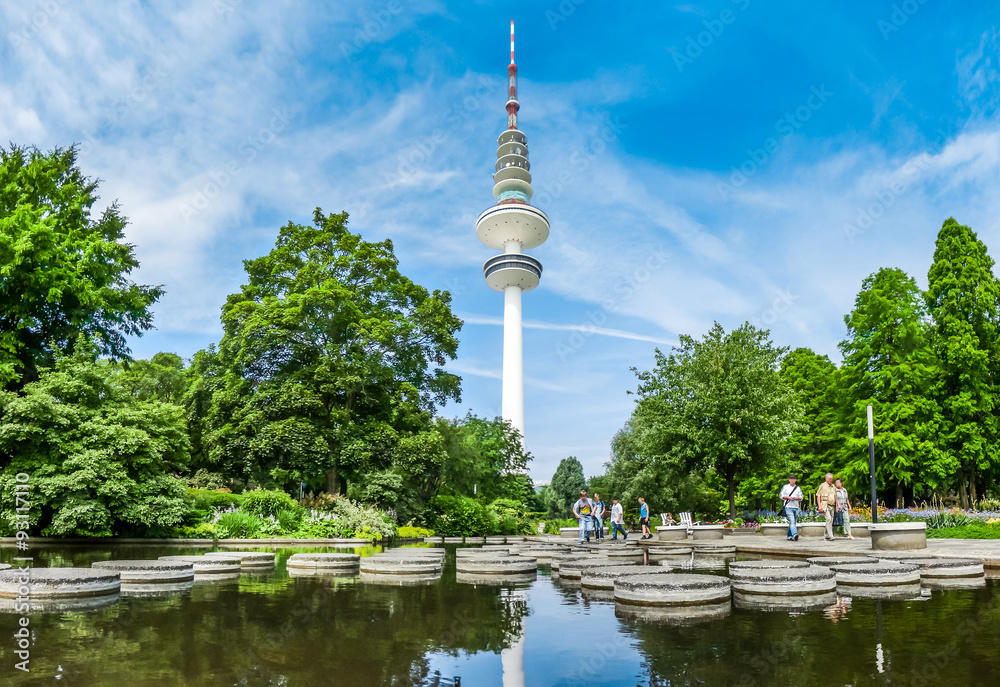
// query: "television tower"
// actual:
[[512, 226]]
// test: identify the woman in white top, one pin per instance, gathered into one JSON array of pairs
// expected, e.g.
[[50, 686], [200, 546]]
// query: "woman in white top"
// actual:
[[843, 506]]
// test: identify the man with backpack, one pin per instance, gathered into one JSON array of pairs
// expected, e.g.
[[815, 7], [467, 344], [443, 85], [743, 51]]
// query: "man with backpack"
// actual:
[[583, 509], [791, 496]]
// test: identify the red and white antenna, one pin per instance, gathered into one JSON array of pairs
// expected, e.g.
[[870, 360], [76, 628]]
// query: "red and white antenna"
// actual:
[[512, 41], [512, 105]]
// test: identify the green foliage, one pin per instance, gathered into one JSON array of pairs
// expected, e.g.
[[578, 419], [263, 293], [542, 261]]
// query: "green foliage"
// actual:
[[888, 363], [290, 519], [99, 460], [564, 489], [484, 458], [812, 445], [161, 378], [456, 516], [203, 479], [203, 530], [322, 501], [266, 503], [63, 272], [331, 362], [712, 407], [963, 298], [973, 531], [238, 525], [410, 532], [347, 518]]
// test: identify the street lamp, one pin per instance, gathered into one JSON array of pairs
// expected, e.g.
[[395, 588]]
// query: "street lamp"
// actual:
[[871, 463]]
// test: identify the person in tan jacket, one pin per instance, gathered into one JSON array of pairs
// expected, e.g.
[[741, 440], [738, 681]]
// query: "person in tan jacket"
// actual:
[[826, 499]]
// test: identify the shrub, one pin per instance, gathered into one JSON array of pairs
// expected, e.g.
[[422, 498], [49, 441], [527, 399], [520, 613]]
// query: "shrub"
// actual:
[[347, 519], [203, 479], [455, 516], [290, 520], [322, 501], [267, 503], [203, 530], [409, 532], [236, 524]]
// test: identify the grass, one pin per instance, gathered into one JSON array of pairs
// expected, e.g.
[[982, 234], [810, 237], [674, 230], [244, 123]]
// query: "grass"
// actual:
[[975, 531]]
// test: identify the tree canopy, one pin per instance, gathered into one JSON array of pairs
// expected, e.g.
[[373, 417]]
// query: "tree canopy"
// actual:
[[63, 270], [331, 359], [718, 403]]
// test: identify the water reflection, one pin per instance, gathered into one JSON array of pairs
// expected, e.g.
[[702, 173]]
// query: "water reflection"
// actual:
[[272, 629]]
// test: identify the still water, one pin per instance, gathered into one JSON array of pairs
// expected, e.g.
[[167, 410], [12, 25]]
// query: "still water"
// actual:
[[274, 630]]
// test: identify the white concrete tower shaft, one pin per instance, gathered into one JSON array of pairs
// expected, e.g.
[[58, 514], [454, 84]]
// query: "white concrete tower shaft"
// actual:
[[513, 226]]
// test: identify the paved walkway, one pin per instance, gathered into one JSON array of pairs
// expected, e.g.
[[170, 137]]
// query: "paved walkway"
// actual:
[[986, 549], [755, 544]]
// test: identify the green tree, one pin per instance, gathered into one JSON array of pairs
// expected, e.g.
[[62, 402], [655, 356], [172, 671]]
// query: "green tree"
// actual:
[[332, 360], [99, 460], [162, 378], [888, 363], [564, 489], [813, 445], [63, 271], [963, 297], [484, 458], [717, 404]]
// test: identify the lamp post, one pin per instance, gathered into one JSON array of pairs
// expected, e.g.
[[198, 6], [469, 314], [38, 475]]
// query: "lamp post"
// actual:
[[871, 463]]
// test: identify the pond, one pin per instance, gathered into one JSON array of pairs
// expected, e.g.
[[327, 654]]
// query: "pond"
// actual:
[[271, 629]]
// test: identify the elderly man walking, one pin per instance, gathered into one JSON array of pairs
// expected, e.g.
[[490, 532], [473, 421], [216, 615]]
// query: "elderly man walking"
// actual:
[[826, 499]]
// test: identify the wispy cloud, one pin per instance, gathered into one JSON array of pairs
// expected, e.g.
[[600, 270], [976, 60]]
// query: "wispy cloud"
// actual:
[[553, 327]]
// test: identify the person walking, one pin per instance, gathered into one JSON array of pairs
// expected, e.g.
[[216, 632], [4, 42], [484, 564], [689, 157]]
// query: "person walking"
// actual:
[[826, 500], [791, 496], [644, 519], [598, 517], [583, 509], [617, 521], [843, 507]]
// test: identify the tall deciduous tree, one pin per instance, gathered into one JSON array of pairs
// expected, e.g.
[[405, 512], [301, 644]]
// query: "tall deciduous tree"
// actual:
[[812, 445], [888, 363], [718, 403], [333, 359], [564, 489], [63, 271], [963, 296], [485, 458]]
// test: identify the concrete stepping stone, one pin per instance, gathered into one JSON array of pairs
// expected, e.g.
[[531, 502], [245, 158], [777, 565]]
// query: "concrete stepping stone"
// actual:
[[878, 574], [505, 565], [660, 551], [624, 555], [672, 589], [810, 580], [827, 561], [208, 564], [947, 568], [603, 577], [384, 564], [573, 570], [249, 560], [135, 572], [58, 583], [766, 564], [323, 562]]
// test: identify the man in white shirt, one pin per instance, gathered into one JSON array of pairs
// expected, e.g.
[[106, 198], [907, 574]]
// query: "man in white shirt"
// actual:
[[583, 509], [617, 520], [791, 496]]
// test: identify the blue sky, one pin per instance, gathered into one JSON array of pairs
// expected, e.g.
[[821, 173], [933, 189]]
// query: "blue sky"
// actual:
[[707, 161]]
